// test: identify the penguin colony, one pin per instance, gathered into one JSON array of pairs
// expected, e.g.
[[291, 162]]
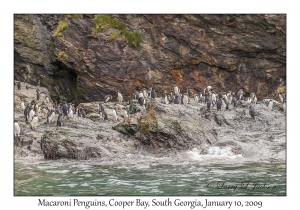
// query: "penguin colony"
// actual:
[[37, 109]]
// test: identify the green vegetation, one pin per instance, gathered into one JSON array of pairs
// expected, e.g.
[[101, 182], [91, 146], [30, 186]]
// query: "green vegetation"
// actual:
[[62, 56], [115, 35], [104, 22], [62, 25]]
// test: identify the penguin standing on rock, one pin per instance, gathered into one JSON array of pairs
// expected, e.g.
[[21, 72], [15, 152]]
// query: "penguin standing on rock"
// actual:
[[270, 105], [104, 115], [101, 107], [142, 101], [115, 115], [185, 99], [26, 113], [65, 109], [34, 122], [145, 93], [135, 94], [37, 95], [240, 94], [124, 113], [176, 90], [176, 100], [220, 94], [107, 98], [31, 114], [47, 100], [163, 95], [153, 94], [22, 106], [17, 128], [196, 98], [50, 116], [189, 92], [252, 112], [120, 97], [83, 114], [59, 121], [19, 85], [208, 104], [282, 97], [253, 98], [219, 104]]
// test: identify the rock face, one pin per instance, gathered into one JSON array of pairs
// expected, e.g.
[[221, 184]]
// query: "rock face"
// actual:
[[161, 130], [228, 52]]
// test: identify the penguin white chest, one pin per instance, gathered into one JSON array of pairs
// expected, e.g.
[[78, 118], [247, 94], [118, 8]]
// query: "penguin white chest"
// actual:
[[120, 97], [17, 129], [22, 106], [185, 100], [34, 122]]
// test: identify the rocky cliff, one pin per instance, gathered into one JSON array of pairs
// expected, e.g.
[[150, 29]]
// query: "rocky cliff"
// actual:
[[78, 63]]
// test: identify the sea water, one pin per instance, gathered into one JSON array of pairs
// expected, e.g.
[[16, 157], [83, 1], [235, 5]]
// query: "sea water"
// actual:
[[185, 173]]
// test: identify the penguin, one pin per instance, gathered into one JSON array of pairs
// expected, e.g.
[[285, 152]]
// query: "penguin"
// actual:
[[65, 109], [253, 98], [234, 101], [252, 112], [163, 95], [135, 94], [34, 122], [120, 97], [26, 113], [83, 114], [140, 95], [59, 121], [22, 106], [104, 115], [149, 92], [284, 105], [107, 98], [115, 115], [239, 94], [248, 99], [166, 100], [31, 114], [230, 97], [282, 97], [189, 93], [47, 100], [176, 90], [206, 98], [79, 112], [19, 85], [176, 100], [45, 111], [270, 105], [71, 113], [208, 105], [220, 94], [124, 113], [142, 101], [37, 95], [101, 107], [219, 104], [153, 94], [17, 128], [50, 116], [214, 97], [145, 93], [185, 99], [196, 98]]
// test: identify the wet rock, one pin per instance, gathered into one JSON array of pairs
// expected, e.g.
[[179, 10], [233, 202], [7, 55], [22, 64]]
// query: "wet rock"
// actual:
[[127, 129]]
